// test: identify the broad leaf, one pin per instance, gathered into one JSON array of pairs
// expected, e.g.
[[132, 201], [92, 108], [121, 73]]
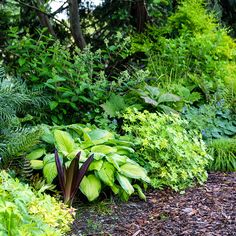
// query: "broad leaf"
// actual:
[[140, 192], [104, 149], [125, 183], [168, 97], [90, 186], [95, 165], [106, 173], [134, 171], [50, 172], [149, 100], [64, 142], [99, 136], [36, 154], [36, 164]]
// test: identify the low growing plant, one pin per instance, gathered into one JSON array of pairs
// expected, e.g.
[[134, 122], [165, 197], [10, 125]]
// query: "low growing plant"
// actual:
[[24, 212], [112, 166], [173, 156], [224, 152]]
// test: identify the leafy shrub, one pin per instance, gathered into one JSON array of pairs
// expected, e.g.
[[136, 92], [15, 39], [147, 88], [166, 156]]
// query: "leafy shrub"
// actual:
[[224, 152], [77, 81], [24, 212], [174, 157], [111, 166], [213, 121]]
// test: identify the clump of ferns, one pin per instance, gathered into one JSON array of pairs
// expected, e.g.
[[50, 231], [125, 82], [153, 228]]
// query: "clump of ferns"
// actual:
[[20, 108], [224, 152]]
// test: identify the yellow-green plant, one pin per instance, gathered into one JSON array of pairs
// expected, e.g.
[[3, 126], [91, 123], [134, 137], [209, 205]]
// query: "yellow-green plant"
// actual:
[[174, 157], [24, 212]]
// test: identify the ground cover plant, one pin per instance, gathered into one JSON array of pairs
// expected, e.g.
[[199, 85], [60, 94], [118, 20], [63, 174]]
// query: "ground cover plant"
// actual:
[[26, 212]]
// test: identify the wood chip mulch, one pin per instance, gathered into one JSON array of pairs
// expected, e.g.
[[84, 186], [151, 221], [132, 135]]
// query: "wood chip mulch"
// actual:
[[208, 210]]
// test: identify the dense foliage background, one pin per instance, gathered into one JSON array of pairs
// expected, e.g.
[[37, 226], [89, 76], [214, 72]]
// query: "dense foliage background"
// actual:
[[129, 89]]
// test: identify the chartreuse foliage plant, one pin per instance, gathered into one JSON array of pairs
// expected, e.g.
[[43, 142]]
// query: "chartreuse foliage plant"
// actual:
[[112, 166], [24, 212], [224, 152], [174, 157], [191, 49]]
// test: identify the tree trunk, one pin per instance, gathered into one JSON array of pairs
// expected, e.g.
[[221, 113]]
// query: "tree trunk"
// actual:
[[75, 24]]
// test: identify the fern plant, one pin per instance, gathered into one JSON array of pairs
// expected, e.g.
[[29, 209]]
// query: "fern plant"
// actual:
[[18, 107]]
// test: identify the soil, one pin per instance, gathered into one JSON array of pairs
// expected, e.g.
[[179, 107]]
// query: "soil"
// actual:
[[208, 210]]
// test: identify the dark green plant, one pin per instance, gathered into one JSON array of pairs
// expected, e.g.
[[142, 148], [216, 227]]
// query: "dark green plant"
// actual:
[[224, 152], [19, 109], [173, 156], [71, 177]]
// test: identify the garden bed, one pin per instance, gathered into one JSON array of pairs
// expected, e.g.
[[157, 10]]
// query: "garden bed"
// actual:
[[207, 210]]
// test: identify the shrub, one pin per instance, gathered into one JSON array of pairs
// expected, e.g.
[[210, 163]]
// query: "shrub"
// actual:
[[174, 157], [24, 212]]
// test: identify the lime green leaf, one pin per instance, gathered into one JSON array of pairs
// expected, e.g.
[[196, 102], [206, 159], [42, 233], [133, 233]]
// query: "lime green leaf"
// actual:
[[90, 186], [73, 154], [96, 165], [99, 136], [125, 183], [106, 173], [50, 172], [48, 158], [124, 150], [47, 136], [103, 149], [115, 189], [140, 192], [134, 171], [36, 164], [36, 154], [64, 142], [116, 160]]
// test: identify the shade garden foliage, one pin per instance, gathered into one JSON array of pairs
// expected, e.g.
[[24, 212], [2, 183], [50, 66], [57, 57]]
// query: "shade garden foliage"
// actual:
[[148, 101]]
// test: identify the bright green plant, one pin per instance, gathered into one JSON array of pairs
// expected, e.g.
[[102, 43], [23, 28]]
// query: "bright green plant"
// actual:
[[224, 152], [191, 49], [24, 212], [174, 157], [112, 166], [213, 121]]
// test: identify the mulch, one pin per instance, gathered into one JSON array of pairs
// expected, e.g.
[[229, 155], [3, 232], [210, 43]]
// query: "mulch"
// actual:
[[208, 210]]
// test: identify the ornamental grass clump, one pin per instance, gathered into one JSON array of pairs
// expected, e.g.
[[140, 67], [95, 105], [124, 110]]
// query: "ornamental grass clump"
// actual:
[[174, 156]]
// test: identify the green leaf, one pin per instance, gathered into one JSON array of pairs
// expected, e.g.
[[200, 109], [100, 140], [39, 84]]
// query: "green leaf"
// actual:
[[47, 136], [72, 154], [36, 154], [104, 149], [125, 183], [50, 172], [116, 160], [48, 158], [90, 186], [99, 136], [64, 142], [140, 192], [149, 100], [168, 97], [36, 164], [96, 165], [106, 173], [134, 171], [114, 105], [53, 105], [153, 91]]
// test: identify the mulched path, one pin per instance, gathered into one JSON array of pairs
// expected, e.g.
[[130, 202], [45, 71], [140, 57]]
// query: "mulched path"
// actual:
[[208, 210]]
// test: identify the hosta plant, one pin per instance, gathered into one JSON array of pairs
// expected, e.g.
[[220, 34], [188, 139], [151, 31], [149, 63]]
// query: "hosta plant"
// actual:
[[111, 168], [173, 156]]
